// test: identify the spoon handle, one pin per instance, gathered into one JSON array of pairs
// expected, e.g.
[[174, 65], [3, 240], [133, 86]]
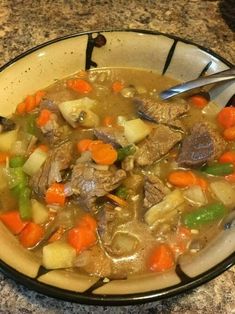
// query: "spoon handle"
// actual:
[[202, 81]]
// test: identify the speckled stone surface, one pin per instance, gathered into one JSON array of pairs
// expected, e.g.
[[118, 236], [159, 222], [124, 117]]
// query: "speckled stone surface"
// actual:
[[26, 23]]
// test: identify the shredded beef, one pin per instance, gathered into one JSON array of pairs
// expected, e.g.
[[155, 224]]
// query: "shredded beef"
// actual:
[[157, 144], [154, 191], [58, 160], [160, 112], [89, 182], [202, 145], [114, 136]]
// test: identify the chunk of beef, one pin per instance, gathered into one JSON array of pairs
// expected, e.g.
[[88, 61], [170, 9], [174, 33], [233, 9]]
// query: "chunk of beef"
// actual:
[[89, 182], [157, 144], [114, 136], [159, 112], [154, 191], [202, 145], [55, 130], [128, 163], [58, 160]]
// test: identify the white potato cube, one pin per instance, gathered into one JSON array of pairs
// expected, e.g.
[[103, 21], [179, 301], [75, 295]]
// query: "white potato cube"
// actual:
[[136, 130], [58, 255], [39, 212]]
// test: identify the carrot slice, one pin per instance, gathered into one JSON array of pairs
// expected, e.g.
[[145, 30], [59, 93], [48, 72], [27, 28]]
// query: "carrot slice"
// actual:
[[184, 232], [228, 156], [21, 108], [31, 234], [104, 154], [199, 101], [13, 221], [88, 221], [83, 145], [229, 133], [43, 147], [109, 121], [81, 238], [117, 86], [44, 117], [79, 85], [226, 117], [3, 157], [30, 103], [118, 200], [161, 258], [38, 97], [182, 179], [55, 194]]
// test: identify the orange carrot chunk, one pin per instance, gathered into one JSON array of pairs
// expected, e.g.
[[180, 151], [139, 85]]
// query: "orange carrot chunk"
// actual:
[[13, 221], [31, 234], [81, 238], [21, 108], [229, 133], [227, 157], [161, 258], [117, 86], [55, 194], [38, 97], [43, 147], [3, 157], [182, 179], [83, 145], [104, 154], [79, 85], [87, 221], [226, 117], [30, 103], [109, 121], [44, 117], [199, 101]]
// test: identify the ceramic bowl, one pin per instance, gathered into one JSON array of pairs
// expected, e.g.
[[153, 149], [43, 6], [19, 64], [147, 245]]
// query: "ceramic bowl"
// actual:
[[57, 59]]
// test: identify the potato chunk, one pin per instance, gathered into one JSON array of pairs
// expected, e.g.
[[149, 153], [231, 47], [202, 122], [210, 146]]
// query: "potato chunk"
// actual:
[[58, 255]]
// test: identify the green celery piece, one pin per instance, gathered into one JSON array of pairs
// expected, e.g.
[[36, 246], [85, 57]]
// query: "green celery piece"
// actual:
[[123, 152], [25, 204], [16, 161]]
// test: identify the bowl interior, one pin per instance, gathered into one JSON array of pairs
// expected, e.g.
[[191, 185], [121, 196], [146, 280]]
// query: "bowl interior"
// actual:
[[60, 58]]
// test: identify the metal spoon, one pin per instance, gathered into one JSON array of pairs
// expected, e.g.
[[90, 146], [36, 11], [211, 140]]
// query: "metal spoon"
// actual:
[[200, 82]]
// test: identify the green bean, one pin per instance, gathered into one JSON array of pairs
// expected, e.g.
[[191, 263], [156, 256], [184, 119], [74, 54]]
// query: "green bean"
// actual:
[[204, 215], [125, 151], [217, 169]]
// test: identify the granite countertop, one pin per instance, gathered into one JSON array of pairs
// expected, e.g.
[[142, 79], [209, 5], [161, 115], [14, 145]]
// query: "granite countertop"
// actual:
[[27, 23]]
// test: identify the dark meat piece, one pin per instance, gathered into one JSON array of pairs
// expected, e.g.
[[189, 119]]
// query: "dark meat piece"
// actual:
[[202, 145], [50, 105], [6, 124], [154, 191], [55, 131], [160, 112], [157, 144], [114, 136], [106, 223], [59, 159], [89, 182]]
